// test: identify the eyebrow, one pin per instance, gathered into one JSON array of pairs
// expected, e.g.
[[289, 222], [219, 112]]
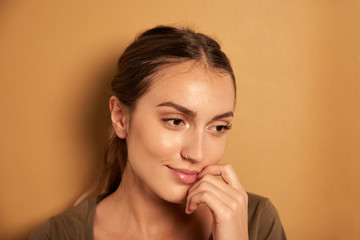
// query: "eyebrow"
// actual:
[[178, 107], [192, 113], [224, 115]]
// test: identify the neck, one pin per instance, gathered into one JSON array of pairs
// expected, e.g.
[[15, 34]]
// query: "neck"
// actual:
[[142, 212], [145, 207]]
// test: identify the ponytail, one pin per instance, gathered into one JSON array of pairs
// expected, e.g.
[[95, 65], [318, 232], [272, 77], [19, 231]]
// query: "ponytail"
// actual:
[[113, 167]]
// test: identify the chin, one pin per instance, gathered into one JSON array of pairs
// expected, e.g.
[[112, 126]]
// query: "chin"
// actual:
[[176, 195]]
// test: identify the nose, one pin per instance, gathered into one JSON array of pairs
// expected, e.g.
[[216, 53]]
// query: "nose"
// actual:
[[194, 147]]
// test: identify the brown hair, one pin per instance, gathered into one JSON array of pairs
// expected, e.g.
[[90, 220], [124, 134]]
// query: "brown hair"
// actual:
[[151, 51]]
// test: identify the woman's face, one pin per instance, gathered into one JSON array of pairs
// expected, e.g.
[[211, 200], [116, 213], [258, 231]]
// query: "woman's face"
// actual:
[[178, 128]]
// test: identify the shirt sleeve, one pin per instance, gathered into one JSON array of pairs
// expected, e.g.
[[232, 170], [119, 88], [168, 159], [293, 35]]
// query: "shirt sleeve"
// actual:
[[42, 232], [264, 221]]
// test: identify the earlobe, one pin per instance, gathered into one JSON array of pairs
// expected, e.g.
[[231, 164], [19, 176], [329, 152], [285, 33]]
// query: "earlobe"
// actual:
[[119, 116]]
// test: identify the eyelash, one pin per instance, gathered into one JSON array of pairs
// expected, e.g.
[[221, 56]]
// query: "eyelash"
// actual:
[[224, 127], [222, 130], [168, 120]]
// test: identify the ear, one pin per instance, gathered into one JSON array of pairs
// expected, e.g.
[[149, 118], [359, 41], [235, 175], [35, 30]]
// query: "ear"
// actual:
[[119, 116]]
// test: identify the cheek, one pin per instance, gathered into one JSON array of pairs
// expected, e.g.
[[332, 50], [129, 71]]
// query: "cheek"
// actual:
[[154, 142], [216, 149], [165, 144]]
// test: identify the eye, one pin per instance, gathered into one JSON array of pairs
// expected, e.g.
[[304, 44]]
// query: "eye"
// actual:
[[220, 129], [174, 122]]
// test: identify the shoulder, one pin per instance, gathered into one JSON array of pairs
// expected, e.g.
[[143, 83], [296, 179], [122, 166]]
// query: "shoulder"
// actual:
[[75, 223], [264, 220], [42, 232], [259, 205]]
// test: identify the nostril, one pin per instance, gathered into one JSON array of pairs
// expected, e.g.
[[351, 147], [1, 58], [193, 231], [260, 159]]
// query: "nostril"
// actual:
[[185, 155], [194, 146]]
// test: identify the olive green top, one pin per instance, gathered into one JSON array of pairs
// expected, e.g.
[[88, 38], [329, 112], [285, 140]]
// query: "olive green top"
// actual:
[[77, 223]]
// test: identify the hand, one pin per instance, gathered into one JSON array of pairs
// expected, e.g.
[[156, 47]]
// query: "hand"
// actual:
[[226, 199]]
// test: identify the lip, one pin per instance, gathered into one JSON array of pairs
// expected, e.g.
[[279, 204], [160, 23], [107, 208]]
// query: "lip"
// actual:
[[184, 175]]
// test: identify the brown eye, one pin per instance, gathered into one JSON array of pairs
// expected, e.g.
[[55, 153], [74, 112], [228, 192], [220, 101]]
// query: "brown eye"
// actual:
[[174, 122], [177, 121], [220, 129]]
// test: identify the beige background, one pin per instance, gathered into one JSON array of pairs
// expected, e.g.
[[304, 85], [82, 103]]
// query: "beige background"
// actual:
[[296, 136]]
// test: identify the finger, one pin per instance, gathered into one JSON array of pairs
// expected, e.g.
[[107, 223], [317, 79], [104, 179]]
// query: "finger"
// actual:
[[212, 201], [229, 197], [219, 183], [226, 171]]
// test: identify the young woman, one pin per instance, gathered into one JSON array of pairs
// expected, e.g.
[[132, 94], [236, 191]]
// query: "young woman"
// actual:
[[173, 101]]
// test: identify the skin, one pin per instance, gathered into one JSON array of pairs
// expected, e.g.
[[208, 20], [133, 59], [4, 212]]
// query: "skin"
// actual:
[[179, 123]]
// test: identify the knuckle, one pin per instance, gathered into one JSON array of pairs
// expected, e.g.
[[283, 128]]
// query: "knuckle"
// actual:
[[206, 195], [234, 205], [246, 197], [242, 198], [204, 184], [206, 178], [228, 167]]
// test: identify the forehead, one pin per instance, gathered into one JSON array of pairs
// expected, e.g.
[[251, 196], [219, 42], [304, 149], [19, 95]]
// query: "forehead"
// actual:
[[189, 68], [193, 85]]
